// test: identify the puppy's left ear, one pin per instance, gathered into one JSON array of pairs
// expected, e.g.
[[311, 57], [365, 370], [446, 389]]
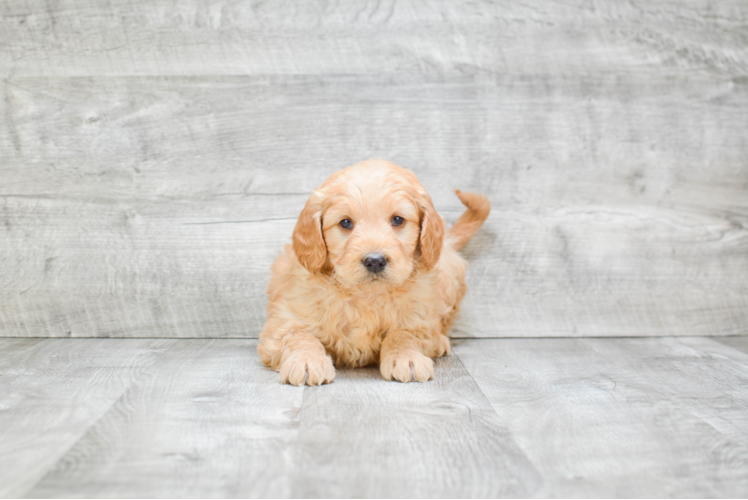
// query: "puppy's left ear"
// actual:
[[432, 231], [308, 242]]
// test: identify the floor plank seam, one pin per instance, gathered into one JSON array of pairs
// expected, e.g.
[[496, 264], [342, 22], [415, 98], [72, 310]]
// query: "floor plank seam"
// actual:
[[477, 385], [101, 416]]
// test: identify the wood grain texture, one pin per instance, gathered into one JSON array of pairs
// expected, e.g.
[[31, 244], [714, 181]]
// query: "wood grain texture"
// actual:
[[155, 157], [365, 437], [370, 37], [579, 418], [52, 391], [622, 417], [207, 421]]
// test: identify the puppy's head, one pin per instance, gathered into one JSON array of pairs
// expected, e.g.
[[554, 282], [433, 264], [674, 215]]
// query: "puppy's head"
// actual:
[[369, 223]]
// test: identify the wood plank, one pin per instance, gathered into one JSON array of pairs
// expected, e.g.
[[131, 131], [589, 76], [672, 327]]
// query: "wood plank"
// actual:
[[207, 420], [716, 378], [111, 269], [621, 417], [365, 437], [528, 143], [52, 391], [364, 37]]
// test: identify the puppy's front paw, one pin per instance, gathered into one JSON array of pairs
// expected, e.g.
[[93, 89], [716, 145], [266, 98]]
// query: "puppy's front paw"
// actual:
[[407, 366], [309, 369]]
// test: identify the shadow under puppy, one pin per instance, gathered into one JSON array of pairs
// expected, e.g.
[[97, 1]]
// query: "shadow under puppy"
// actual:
[[370, 277]]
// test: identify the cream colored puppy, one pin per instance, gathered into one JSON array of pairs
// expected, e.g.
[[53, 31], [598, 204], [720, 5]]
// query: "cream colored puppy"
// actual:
[[370, 277]]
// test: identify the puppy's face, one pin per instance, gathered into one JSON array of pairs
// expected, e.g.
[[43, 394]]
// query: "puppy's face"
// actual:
[[371, 230], [372, 223]]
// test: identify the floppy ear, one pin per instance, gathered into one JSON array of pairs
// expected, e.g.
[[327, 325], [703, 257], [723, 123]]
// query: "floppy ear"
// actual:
[[308, 243], [432, 231]]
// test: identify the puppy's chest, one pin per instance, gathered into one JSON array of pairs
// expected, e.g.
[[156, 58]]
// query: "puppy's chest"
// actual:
[[366, 319], [370, 317], [354, 330], [352, 327]]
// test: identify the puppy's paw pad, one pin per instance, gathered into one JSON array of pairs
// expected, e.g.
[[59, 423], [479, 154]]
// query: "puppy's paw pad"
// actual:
[[407, 366], [307, 369]]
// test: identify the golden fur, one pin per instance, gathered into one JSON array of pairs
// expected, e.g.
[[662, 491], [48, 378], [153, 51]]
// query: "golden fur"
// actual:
[[326, 309]]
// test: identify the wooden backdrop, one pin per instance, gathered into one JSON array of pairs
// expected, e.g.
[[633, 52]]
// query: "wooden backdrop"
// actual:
[[155, 154]]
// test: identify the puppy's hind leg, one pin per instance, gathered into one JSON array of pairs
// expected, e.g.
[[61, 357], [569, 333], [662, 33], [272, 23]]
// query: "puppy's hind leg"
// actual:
[[298, 355], [438, 346], [402, 357]]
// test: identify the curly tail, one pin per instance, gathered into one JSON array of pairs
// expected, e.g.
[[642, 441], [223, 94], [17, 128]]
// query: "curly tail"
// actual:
[[478, 208]]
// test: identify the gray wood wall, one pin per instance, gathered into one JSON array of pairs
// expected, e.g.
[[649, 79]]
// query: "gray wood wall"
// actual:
[[155, 154]]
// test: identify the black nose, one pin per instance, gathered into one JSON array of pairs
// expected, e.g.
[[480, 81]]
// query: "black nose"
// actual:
[[375, 262]]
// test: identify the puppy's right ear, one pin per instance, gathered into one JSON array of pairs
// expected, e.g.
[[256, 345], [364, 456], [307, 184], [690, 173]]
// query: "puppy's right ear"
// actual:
[[308, 242]]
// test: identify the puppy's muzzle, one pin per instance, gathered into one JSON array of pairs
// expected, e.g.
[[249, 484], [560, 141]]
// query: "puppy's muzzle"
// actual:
[[375, 263]]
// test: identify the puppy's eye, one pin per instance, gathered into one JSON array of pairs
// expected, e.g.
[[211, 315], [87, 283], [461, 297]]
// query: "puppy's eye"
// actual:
[[346, 223], [397, 221]]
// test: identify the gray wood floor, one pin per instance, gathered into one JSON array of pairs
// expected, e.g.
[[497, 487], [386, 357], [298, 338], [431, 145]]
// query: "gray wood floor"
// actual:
[[656, 417], [155, 154]]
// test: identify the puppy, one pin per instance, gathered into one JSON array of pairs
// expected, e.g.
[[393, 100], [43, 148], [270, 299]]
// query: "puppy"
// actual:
[[370, 277]]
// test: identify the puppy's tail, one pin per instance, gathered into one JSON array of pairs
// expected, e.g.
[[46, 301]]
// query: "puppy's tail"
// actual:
[[478, 208]]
